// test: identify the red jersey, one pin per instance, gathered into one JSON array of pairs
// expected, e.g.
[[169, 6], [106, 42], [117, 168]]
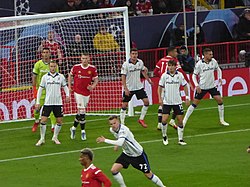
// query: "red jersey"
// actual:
[[53, 46], [144, 7], [83, 77], [94, 177], [162, 66]]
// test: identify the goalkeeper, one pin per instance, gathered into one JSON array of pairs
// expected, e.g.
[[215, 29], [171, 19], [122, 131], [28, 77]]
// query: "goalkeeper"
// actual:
[[41, 67]]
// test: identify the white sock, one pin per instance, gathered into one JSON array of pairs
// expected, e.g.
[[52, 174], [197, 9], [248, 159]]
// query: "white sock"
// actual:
[[188, 114], [157, 180], [52, 126], [164, 129], [221, 112], [57, 130], [143, 112], [122, 116], [172, 121], [42, 131], [73, 128], [180, 133], [118, 177]]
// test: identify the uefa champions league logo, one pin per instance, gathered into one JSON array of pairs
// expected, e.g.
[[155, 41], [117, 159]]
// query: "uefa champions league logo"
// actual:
[[22, 7]]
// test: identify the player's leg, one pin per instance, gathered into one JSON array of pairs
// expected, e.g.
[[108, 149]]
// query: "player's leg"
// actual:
[[141, 163], [178, 109], [58, 111], [52, 121], [125, 100], [216, 95], [159, 117], [121, 162], [37, 115], [45, 114], [141, 94], [196, 101], [165, 114], [82, 121], [172, 121]]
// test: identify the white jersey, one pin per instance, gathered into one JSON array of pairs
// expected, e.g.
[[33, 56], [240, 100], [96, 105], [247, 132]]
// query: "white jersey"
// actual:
[[130, 146], [205, 71], [52, 83], [133, 74], [171, 84]]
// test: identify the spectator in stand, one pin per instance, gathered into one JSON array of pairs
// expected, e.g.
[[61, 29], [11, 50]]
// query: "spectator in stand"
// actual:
[[200, 38], [80, 5], [131, 8], [54, 47], [69, 5], [159, 6], [144, 8], [243, 27], [76, 48], [106, 4], [187, 62], [104, 41], [174, 5], [93, 4], [178, 36], [233, 3]]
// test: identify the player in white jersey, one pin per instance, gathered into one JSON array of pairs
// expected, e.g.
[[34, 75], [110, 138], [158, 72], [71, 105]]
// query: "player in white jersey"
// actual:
[[205, 68], [133, 152], [52, 83], [131, 82], [171, 81]]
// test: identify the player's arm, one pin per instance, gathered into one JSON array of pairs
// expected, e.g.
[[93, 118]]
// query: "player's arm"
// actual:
[[145, 74], [34, 79], [94, 84], [219, 74], [66, 89], [39, 92], [184, 84], [70, 78], [119, 142], [160, 88], [100, 176]]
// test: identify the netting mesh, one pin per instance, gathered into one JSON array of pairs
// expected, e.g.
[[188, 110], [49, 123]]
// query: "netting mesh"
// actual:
[[100, 35]]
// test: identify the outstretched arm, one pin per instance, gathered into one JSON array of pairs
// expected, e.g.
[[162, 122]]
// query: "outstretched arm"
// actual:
[[118, 142]]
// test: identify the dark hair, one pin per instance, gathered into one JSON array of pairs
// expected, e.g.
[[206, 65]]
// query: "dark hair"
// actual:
[[85, 54], [133, 49], [183, 47], [52, 61], [206, 50], [172, 62], [88, 152], [46, 48], [112, 117], [171, 48]]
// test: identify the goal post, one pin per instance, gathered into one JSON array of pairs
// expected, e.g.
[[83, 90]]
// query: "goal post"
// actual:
[[22, 38]]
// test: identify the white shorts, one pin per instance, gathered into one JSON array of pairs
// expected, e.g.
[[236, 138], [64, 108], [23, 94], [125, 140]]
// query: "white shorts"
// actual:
[[81, 100]]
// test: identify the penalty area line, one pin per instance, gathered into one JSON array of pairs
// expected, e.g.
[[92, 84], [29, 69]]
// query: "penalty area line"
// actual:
[[106, 147]]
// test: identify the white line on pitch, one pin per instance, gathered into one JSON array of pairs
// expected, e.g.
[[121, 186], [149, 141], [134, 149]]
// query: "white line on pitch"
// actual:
[[208, 108], [105, 147]]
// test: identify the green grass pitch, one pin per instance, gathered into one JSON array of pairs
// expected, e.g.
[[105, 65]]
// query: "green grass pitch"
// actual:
[[214, 157]]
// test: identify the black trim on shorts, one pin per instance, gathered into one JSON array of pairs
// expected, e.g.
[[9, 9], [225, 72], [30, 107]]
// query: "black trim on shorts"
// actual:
[[57, 110], [140, 94], [213, 92]]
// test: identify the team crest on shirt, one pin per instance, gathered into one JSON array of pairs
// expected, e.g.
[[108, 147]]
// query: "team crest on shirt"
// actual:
[[79, 71], [89, 72], [87, 176]]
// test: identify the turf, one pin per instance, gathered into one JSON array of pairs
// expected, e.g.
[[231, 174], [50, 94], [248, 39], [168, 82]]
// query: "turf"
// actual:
[[215, 155]]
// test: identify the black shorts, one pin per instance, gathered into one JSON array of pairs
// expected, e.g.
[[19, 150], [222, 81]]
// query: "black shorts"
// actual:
[[57, 110], [141, 162], [140, 94], [178, 109], [212, 92]]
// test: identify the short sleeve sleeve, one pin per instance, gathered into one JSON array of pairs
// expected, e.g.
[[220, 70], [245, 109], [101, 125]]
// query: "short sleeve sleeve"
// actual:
[[124, 70]]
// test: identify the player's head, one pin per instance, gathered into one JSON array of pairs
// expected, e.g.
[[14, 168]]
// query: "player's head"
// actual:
[[103, 30], [172, 51], [78, 38], [208, 54], [86, 156], [134, 54], [46, 53], [114, 122], [51, 35], [85, 59], [172, 66], [183, 50], [52, 66]]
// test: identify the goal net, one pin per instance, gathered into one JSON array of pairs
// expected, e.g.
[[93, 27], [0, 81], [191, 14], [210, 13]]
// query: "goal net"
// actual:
[[103, 33]]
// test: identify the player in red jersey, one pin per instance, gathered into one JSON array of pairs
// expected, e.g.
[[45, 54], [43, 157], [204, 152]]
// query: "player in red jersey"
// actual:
[[160, 68], [55, 50], [85, 79], [91, 175]]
